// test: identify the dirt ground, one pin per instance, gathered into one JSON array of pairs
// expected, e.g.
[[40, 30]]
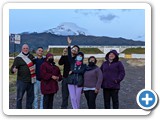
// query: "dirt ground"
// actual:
[[134, 81]]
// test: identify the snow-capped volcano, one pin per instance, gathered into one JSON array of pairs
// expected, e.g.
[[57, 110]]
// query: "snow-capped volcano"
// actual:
[[68, 28]]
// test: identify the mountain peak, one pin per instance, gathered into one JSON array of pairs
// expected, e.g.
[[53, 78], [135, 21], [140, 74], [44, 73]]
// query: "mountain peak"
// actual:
[[68, 28]]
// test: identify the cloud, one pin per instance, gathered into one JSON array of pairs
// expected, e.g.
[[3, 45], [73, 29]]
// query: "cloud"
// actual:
[[89, 12], [107, 18], [102, 14], [140, 37]]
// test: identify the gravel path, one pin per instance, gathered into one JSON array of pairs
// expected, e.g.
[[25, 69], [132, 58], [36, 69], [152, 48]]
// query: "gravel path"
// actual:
[[134, 81]]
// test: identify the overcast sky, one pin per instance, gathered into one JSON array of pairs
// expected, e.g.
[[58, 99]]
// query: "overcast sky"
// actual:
[[126, 23]]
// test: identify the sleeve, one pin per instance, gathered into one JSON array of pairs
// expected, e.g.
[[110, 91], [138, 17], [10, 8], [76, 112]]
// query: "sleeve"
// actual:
[[100, 78], [61, 60], [70, 55], [59, 74], [15, 64], [121, 72], [43, 73]]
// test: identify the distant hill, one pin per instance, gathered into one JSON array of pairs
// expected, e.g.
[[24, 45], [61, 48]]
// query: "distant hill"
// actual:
[[44, 39]]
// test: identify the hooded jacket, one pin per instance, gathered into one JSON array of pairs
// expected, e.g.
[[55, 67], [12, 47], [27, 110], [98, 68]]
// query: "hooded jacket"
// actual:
[[78, 71], [47, 70], [113, 72]]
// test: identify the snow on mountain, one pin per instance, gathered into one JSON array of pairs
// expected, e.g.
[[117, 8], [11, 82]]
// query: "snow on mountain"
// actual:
[[68, 28]]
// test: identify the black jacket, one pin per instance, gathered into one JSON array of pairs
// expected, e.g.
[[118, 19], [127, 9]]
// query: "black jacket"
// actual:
[[23, 70], [65, 60], [79, 73]]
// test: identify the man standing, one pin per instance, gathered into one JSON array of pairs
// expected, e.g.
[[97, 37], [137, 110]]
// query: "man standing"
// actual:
[[26, 76], [37, 85], [64, 61]]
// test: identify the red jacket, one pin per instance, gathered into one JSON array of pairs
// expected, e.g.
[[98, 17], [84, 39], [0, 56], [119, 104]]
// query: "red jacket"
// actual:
[[48, 85]]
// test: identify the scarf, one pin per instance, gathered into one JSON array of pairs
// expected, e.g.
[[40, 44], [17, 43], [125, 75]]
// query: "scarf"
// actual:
[[30, 65], [78, 63], [88, 68]]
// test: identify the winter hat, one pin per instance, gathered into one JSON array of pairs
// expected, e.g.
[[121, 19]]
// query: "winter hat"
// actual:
[[48, 55], [81, 53]]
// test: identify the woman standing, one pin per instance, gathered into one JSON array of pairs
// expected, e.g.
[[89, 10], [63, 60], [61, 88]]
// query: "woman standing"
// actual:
[[92, 82], [50, 75], [113, 73], [75, 77]]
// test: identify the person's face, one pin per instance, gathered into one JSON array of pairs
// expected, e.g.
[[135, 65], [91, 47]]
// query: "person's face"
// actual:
[[25, 49], [74, 50], [39, 52], [92, 60], [50, 57], [111, 56], [79, 58]]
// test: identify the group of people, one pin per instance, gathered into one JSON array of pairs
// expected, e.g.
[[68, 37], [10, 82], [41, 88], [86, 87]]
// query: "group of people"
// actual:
[[39, 76]]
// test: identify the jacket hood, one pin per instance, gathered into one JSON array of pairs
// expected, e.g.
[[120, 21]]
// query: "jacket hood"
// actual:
[[115, 53], [81, 53]]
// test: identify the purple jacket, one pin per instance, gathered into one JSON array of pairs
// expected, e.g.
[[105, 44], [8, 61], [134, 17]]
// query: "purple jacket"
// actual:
[[112, 72]]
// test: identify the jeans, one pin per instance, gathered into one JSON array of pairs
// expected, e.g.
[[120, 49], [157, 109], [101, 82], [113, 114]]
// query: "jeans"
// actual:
[[108, 94], [65, 94], [75, 95], [37, 94], [23, 87], [91, 98]]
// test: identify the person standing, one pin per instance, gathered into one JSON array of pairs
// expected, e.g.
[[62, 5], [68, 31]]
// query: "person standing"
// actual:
[[50, 75], [75, 77], [92, 82], [37, 85], [26, 76], [113, 73], [66, 68]]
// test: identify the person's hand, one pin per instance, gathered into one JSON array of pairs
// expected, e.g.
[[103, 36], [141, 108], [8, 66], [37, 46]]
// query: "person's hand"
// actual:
[[54, 77], [14, 69], [70, 72], [116, 81], [96, 91], [65, 52], [69, 41]]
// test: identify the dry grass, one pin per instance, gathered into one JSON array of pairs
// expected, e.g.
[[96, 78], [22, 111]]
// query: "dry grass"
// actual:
[[136, 62]]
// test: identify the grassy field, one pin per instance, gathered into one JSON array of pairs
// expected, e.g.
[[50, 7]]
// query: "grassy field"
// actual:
[[134, 51]]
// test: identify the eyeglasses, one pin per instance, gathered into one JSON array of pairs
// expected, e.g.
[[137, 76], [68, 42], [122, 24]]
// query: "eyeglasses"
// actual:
[[74, 49]]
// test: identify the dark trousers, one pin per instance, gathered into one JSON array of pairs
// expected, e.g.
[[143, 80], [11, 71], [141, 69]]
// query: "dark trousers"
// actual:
[[23, 87], [109, 94], [65, 94], [48, 101], [91, 98]]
